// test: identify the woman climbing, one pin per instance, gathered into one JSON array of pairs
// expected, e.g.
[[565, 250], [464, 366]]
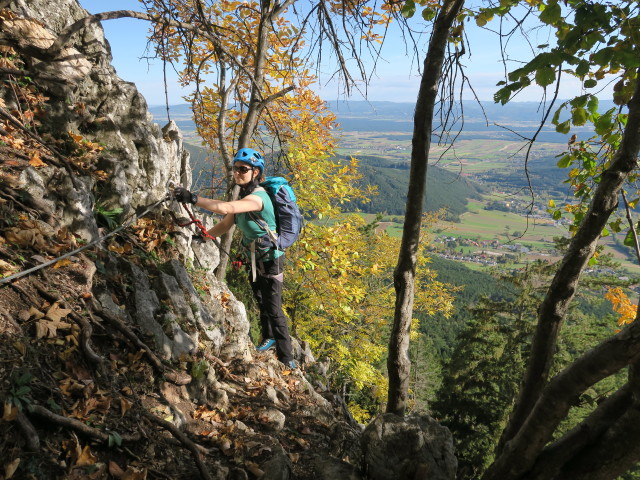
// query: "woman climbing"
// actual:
[[267, 261]]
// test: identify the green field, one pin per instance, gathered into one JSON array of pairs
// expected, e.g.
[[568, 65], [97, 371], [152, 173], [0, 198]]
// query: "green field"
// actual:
[[510, 229], [470, 156]]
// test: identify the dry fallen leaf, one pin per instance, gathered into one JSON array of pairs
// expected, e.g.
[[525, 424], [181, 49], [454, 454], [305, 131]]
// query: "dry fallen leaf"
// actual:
[[21, 347], [224, 300], [62, 263], [225, 445], [127, 391], [49, 329], [101, 174], [133, 474], [86, 457], [57, 313], [125, 405], [35, 161], [71, 387], [76, 138], [10, 468], [26, 315], [29, 237], [254, 469], [7, 268], [115, 470], [10, 411], [302, 442], [294, 457]]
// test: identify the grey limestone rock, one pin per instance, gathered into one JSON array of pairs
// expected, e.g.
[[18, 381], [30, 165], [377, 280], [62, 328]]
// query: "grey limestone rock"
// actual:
[[415, 447]]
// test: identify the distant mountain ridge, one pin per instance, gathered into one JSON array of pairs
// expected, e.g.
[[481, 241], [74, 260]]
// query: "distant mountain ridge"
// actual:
[[401, 113], [384, 116]]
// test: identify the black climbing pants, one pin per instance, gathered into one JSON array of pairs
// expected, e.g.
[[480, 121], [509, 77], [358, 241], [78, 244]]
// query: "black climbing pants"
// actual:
[[267, 290]]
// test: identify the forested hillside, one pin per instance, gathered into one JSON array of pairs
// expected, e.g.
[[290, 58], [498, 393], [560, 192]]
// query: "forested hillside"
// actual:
[[445, 190], [475, 287]]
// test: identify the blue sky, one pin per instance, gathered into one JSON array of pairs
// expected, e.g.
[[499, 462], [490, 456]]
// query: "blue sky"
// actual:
[[397, 77]]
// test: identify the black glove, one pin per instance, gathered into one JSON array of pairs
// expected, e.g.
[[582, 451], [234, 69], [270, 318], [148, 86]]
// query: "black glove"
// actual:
[[183, 195]]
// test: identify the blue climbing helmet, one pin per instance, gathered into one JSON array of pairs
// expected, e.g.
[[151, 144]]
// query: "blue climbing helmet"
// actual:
[[250, 157]]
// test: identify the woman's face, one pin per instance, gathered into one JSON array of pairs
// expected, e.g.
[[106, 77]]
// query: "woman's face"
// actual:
[[243, 173]]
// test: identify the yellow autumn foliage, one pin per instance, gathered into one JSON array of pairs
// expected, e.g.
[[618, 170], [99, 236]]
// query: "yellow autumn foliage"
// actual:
[[622, 305]]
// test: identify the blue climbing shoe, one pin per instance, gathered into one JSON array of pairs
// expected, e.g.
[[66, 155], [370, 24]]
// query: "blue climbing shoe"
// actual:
[[266, 345], [292, 365]]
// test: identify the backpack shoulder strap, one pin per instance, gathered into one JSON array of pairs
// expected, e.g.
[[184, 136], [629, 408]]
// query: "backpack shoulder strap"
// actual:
[[263, 225]]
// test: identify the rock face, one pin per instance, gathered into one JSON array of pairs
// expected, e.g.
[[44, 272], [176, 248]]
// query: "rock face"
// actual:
[[415, 447], [141, 157], [89, 100]]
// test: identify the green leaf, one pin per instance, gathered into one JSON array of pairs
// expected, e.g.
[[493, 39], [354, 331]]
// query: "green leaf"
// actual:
[[579, 116], [565, 161], [556, 116], [580, 101], [23, 390], [551, 14], [557, 215], [428, 14], [592, 104], [603, 57], [603, 123], [545, 76], [115, 439], [53, 405], [483, 18], [408, 9], [502, 96], [629, 240], [583, 68], [24, 379], [616, 225], [516, 75], [564, 127], [590, 83]]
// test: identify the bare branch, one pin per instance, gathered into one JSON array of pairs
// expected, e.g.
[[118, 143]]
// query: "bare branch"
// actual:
[[78, 426], [64, 37], [196, 450]]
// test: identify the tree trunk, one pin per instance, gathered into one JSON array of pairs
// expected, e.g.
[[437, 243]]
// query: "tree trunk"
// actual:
[[398, 363], [250, 122], [539, 404]]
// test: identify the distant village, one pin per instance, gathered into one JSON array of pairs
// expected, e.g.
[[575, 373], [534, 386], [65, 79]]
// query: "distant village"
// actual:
[[510, 252], [497, 252]]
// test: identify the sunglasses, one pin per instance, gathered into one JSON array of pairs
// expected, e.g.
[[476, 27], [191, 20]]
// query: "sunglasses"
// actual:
[[242, 169]]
